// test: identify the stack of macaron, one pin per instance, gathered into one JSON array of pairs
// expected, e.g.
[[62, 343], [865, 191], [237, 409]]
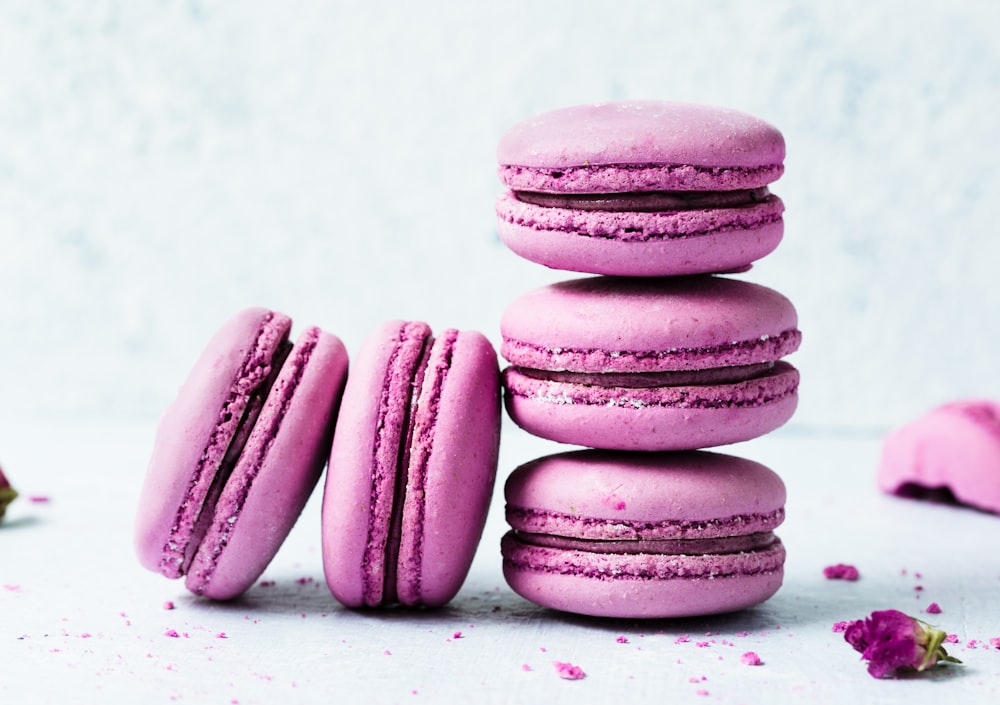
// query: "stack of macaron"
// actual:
[[646, 362]]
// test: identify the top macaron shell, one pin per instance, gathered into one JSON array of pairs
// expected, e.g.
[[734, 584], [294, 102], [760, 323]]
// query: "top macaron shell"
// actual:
[[685, 147], [452, 453], [614, 324], [602, 495], [626, 152]]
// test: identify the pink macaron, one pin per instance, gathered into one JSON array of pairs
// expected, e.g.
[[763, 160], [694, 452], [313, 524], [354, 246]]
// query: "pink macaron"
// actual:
[[951, 453], [614, 534], [238, 452], [650, 364], [641, 188], [412, 466]]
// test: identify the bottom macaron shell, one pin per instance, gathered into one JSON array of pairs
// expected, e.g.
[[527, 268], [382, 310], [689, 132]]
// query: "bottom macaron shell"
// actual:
[[713, 251], [566, 581], [662, 418], [277, 471]]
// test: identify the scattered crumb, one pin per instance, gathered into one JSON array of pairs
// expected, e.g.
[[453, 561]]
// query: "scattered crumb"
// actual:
[[933, 608], [995, 642], [918, 588], [456, 635], [172, 633], [841, 571], [701, 692], [168, 605], [682, 639], [387, 652], [750, 658], [39, 499], [622, 640], [525, 667], [568, 671], [951, 639], [840, 627]]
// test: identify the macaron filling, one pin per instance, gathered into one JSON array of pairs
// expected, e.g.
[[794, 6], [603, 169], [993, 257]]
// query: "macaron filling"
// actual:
[[734, 354], [643, 566], [645, 201], [237, 417], [663, 547], [415, 376], [645, 380]]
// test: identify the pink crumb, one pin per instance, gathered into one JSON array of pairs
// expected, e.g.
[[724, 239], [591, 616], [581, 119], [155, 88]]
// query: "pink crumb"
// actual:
[[750, 658], [840, 627], [168, 605], [701, 692], [918, 588], [682, 639], [525, 667], [995, 642], [456, 635], [841, 571], [172, 633], [951, 639], [39, 499], [622, 640], [221, 635], [933, 608], [568, 671]]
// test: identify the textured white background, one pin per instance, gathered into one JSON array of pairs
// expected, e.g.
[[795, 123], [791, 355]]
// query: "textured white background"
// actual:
[[163, 164]]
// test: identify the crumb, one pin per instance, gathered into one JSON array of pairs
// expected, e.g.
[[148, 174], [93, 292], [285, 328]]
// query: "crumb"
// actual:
[[221, 635], [525, 667], [172, 633], [841, 571], [387, 652], [682, 639], [456, 635], [918, 588], [840, 627], [568, 671], [933, 608], [951, 639], [39, 499], [168, 605], [701, 692], [995, 642], [622, 640], [703, 644], [750, 658]]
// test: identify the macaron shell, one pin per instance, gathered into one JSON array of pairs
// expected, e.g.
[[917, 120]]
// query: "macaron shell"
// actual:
[[616, 324], [654, 419], [641, 244], [607, 595], [195, 431], [350, 495], [954, 447], [458, 438], [598, 494], [277, 470], [727, 149]]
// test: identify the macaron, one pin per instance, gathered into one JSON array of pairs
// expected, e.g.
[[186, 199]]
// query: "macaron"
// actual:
[[238, 452], [412, 466], [674, 363], [641, 188], [951, 453], [612, 534]]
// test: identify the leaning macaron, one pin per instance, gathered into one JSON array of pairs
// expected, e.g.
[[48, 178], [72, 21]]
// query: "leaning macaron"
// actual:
[[641, 188], [951, 452], [650, 364], [613, 534], [412, 466], [238, 452]]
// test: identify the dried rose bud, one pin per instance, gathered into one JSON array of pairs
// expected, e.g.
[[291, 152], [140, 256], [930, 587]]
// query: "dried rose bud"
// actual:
[[890, 640], [7, 493]]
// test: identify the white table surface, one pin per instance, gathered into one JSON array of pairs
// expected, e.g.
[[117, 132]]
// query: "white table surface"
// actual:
[[80, 621]]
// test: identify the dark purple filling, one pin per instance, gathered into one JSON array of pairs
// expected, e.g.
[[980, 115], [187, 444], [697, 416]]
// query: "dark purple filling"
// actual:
[[243, 429], [650, 380], [645, 201], [662, 547]]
